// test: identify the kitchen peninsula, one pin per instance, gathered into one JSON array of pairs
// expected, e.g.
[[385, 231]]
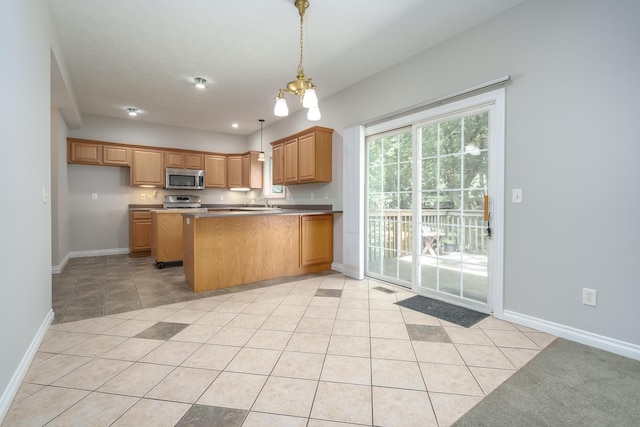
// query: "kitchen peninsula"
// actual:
[[223, 249]]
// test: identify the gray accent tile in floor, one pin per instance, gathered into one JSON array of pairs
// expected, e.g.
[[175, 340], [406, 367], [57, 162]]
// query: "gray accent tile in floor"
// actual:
[[428, 333]]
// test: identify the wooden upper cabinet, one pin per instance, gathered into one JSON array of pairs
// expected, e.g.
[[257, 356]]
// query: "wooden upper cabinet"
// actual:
[[244, 170], [176, 159], [305, 157], [82, 152], [147, 167], [215, 171], [290, 150], [277, 164], [193, 161], [314, 157], [116, 155], [173, 160], [234, 171], [252, 170], [95, 153]]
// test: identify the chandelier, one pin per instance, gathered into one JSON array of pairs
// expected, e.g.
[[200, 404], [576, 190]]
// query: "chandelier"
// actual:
[[302, 86]]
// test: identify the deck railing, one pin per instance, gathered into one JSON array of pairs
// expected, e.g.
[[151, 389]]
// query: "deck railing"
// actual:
[[390, 232]]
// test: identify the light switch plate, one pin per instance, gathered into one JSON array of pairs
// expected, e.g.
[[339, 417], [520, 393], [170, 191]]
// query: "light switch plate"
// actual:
[[516, 195]]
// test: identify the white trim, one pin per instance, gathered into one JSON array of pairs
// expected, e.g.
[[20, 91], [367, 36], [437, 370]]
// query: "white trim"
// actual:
[[337, 267], [57, 269], [18, 375], [584, 337]]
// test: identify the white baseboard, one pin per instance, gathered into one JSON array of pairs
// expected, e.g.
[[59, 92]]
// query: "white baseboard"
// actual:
[[337, 267], [57, 269], [16, 380], [583, 337]]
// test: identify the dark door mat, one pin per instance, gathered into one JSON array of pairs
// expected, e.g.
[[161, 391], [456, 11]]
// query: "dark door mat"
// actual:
[[443, 310]]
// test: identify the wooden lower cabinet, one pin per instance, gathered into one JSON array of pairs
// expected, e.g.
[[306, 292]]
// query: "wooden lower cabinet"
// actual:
[[140, 233], [316, 239], [166, 237]]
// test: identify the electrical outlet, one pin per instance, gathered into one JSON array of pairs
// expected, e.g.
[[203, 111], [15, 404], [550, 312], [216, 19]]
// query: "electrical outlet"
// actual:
[[221, 197], [589, 296], [312, 196], [326, 196], [94, 196]]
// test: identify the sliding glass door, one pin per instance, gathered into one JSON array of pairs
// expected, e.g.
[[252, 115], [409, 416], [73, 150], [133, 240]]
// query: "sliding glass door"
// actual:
[[427, 183], [454, 164], [390, 200]]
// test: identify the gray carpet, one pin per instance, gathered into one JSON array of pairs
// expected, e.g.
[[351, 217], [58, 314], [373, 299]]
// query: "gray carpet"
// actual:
[[567, 384]]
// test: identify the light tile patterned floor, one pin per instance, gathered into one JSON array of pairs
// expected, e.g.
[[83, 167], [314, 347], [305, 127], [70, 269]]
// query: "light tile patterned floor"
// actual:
[[316, 351]]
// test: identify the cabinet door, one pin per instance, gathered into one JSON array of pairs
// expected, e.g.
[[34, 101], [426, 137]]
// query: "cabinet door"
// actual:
[[252, 170], [234, 172], [116, 156], [140, 231], [84, 153], [215, 171], [316, 239], [147, 168], [167, 242], [307, 157], [173, 160], [246, 171], [277, 164], [193, 161], [290, 149]]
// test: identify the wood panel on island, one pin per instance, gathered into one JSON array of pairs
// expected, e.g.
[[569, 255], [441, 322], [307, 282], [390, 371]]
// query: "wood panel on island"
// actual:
[[224, 250]]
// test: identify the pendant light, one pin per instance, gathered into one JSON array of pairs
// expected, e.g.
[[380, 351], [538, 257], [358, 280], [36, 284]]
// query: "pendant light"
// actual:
[[261, 155]]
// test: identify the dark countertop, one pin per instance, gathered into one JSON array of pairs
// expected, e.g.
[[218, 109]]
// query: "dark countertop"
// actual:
[[291, 208], [258, 211]]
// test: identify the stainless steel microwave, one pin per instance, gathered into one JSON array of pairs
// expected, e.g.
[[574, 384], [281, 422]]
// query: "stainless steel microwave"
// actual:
[[184, 179]]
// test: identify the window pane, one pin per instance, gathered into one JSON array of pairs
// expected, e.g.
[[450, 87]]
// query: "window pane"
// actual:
[[375, 178], [450, 137], [429, 174], [406, 179], [450, 172], [429, 136], [406, 147], [390, 177]]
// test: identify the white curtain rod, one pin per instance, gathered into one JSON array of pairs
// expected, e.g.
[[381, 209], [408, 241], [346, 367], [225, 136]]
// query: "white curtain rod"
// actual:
[[433, 102]]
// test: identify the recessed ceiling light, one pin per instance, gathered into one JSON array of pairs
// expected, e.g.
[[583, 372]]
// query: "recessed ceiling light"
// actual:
[[234, 125], [199, 82], [132, 111]]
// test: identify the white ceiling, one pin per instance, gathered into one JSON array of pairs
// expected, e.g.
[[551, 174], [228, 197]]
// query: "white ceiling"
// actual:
[[145, 53]]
